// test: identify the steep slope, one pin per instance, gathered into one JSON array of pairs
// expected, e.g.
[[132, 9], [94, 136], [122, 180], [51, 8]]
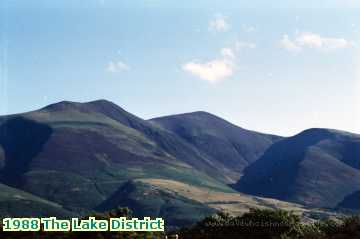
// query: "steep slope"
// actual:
[[165, 141], [79, 154], [317, 167], [17, 203], [227, 146], [351, 202]]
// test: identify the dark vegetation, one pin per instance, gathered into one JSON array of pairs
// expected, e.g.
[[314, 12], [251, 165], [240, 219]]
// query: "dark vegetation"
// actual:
[[264, 224], [271, 224]]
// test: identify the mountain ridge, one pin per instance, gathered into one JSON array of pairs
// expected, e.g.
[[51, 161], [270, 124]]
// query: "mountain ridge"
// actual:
[[230, 146], [82, 156], [88, 151]]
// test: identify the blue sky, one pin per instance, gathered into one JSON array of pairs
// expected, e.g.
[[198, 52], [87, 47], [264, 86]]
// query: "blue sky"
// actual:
[[272, 66]]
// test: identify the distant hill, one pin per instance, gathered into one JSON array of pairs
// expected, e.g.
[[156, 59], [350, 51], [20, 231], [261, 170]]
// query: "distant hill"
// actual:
[[227, 146], [318, 167]]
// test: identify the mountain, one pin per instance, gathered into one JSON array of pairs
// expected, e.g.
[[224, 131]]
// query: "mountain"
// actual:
[[73, 159], [79, 154], [318, 167], [229, 147]]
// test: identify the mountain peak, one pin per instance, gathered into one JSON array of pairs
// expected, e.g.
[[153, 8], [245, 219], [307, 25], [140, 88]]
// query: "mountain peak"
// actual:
[[324, 133], [102, 102], [203, 114], [196, 115], [62, 105], [102, 106], [87, 106]]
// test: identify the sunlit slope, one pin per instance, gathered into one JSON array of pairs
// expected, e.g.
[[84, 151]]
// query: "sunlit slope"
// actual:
[[226, 145]]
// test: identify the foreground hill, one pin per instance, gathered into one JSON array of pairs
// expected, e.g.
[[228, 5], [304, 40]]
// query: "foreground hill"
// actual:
[[227, 146], [17, 203], [318, 167]]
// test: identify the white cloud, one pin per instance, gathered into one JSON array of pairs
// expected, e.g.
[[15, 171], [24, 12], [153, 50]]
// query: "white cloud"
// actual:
[[289, 45], [314, 41], [215, 70], [117, 67], [240, 45], [219, 23]]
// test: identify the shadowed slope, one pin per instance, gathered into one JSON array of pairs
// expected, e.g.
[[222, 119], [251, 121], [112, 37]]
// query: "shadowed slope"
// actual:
[[21, 140], [312, 168]]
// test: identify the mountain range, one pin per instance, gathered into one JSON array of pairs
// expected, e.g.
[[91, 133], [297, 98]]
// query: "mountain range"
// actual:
[[73, 158]]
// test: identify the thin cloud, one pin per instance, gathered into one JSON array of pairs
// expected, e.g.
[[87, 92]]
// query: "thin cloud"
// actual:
[[219, 23], [215, 70], [117, 67], [289, 45], [314, 41]]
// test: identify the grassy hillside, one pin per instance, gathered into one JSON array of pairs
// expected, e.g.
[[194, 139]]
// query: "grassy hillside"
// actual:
[[79, 154], [235, 203], [145, 199], [229, 147], [77, 158], [16, 203], [318, 167]]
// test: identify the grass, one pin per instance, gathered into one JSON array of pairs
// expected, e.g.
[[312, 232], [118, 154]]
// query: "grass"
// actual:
[[15, 202], [230, 202]]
